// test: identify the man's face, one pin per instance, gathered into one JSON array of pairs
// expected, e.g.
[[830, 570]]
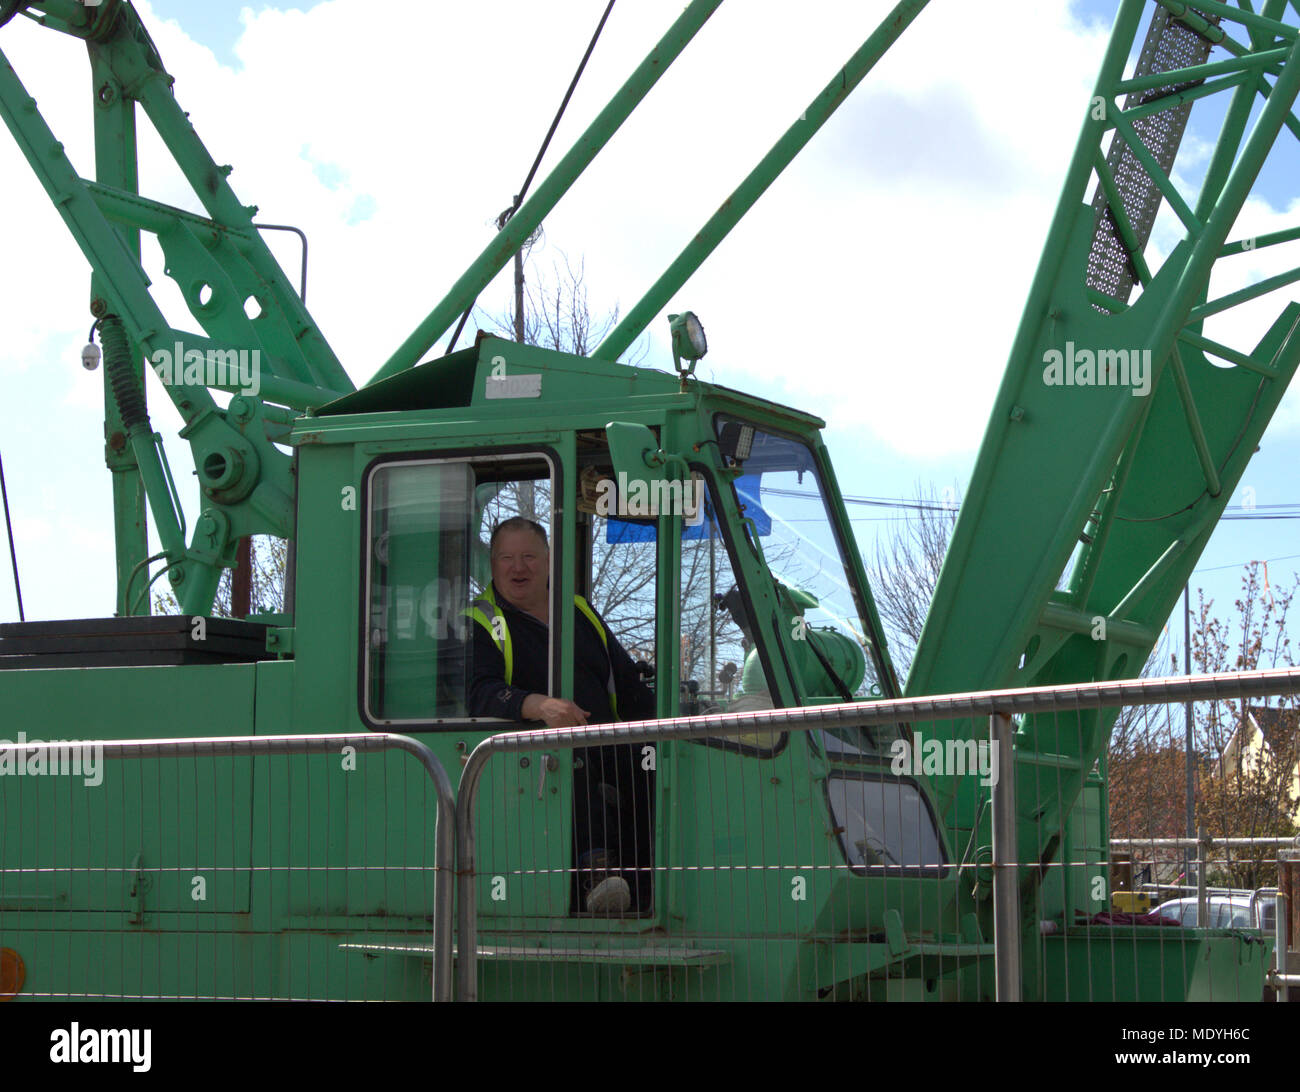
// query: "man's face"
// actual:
[[520, 563]]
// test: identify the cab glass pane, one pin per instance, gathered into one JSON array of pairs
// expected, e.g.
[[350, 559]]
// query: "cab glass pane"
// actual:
[[429, 523]]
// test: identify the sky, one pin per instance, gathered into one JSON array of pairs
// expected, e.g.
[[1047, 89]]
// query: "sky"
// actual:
[[879, 283]]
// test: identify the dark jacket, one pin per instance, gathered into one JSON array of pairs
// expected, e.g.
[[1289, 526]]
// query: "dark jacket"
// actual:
[[490, 696]]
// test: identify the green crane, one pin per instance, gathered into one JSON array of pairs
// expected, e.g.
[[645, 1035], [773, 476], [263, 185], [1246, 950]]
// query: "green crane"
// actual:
[[1111, 452]]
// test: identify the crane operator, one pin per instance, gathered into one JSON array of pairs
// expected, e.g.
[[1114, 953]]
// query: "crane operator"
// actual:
[[612, 794]]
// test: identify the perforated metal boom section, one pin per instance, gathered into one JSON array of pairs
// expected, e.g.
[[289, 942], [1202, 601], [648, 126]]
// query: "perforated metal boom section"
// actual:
[[1169, 45]]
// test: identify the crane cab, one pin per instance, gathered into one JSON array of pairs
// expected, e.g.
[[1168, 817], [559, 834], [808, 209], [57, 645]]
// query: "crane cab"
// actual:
[[706, 529]]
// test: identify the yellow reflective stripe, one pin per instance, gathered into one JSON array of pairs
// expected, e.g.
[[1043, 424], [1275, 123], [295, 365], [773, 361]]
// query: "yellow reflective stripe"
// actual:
[[507, 646], [585, 607], [478, 616], [504, 644]]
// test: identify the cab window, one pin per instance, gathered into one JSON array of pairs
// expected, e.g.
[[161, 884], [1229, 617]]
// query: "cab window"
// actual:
[[428, 526], [830, 640]]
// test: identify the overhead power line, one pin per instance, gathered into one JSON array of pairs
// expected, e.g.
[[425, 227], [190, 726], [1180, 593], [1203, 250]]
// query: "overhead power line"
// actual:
[[504, 217], [1288, 510]]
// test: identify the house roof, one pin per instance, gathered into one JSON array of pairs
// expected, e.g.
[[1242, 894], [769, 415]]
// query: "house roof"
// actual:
[[1275, 725], [1271, 724]]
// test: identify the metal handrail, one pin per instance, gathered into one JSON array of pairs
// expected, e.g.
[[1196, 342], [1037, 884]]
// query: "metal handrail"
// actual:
[[256, 746], [1210, 840], [980, 703]]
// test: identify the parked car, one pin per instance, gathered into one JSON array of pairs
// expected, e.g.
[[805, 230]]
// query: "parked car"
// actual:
[[1263, 909], [1239, 911]]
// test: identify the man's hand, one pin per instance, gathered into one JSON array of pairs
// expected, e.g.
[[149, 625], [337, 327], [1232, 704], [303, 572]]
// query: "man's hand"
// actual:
[[556, 712]]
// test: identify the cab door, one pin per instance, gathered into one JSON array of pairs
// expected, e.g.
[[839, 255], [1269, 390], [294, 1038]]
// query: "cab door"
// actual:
[[430, 521]]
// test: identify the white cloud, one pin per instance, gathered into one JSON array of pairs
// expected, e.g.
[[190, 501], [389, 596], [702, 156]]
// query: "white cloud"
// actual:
[[879, 283]]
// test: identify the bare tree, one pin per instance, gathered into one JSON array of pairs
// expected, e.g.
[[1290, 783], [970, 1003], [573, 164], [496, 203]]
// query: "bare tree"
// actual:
[[1146, 783], [557, 313], [906, 568], [1244, 757], [266, 594], [623, 586], [1252, 752]]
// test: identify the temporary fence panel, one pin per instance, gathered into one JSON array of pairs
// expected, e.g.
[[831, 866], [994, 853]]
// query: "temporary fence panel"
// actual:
[[945, 848], [844, 852], [278, 867]]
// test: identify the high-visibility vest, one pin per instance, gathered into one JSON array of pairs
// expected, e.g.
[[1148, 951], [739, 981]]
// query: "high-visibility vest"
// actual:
[[480, 609]]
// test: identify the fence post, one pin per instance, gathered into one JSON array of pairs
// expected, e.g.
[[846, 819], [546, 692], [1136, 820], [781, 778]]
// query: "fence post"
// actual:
[[1288, 869], [1280, 942], [1202, 896], [1006, 876]]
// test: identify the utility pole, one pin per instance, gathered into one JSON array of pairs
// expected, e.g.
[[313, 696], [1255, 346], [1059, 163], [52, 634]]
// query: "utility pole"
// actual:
[[527, 501], [519, 293]]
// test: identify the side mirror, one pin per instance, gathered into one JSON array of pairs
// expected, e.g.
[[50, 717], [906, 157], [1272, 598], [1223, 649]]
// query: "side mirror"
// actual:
[[636, 456], [649, 481]]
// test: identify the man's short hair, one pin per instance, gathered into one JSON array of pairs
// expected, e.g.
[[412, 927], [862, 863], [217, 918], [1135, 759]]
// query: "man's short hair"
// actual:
[[517, 523]]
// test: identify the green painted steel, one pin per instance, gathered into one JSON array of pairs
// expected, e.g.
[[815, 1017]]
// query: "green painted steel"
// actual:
[[315, 872], [1118, 493], [115, 164], [225, 273]]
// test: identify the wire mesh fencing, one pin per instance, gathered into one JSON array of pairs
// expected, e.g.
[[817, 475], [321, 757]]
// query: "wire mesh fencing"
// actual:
[[952, 848], [1188, 880], [962, 847], [278, 867]]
